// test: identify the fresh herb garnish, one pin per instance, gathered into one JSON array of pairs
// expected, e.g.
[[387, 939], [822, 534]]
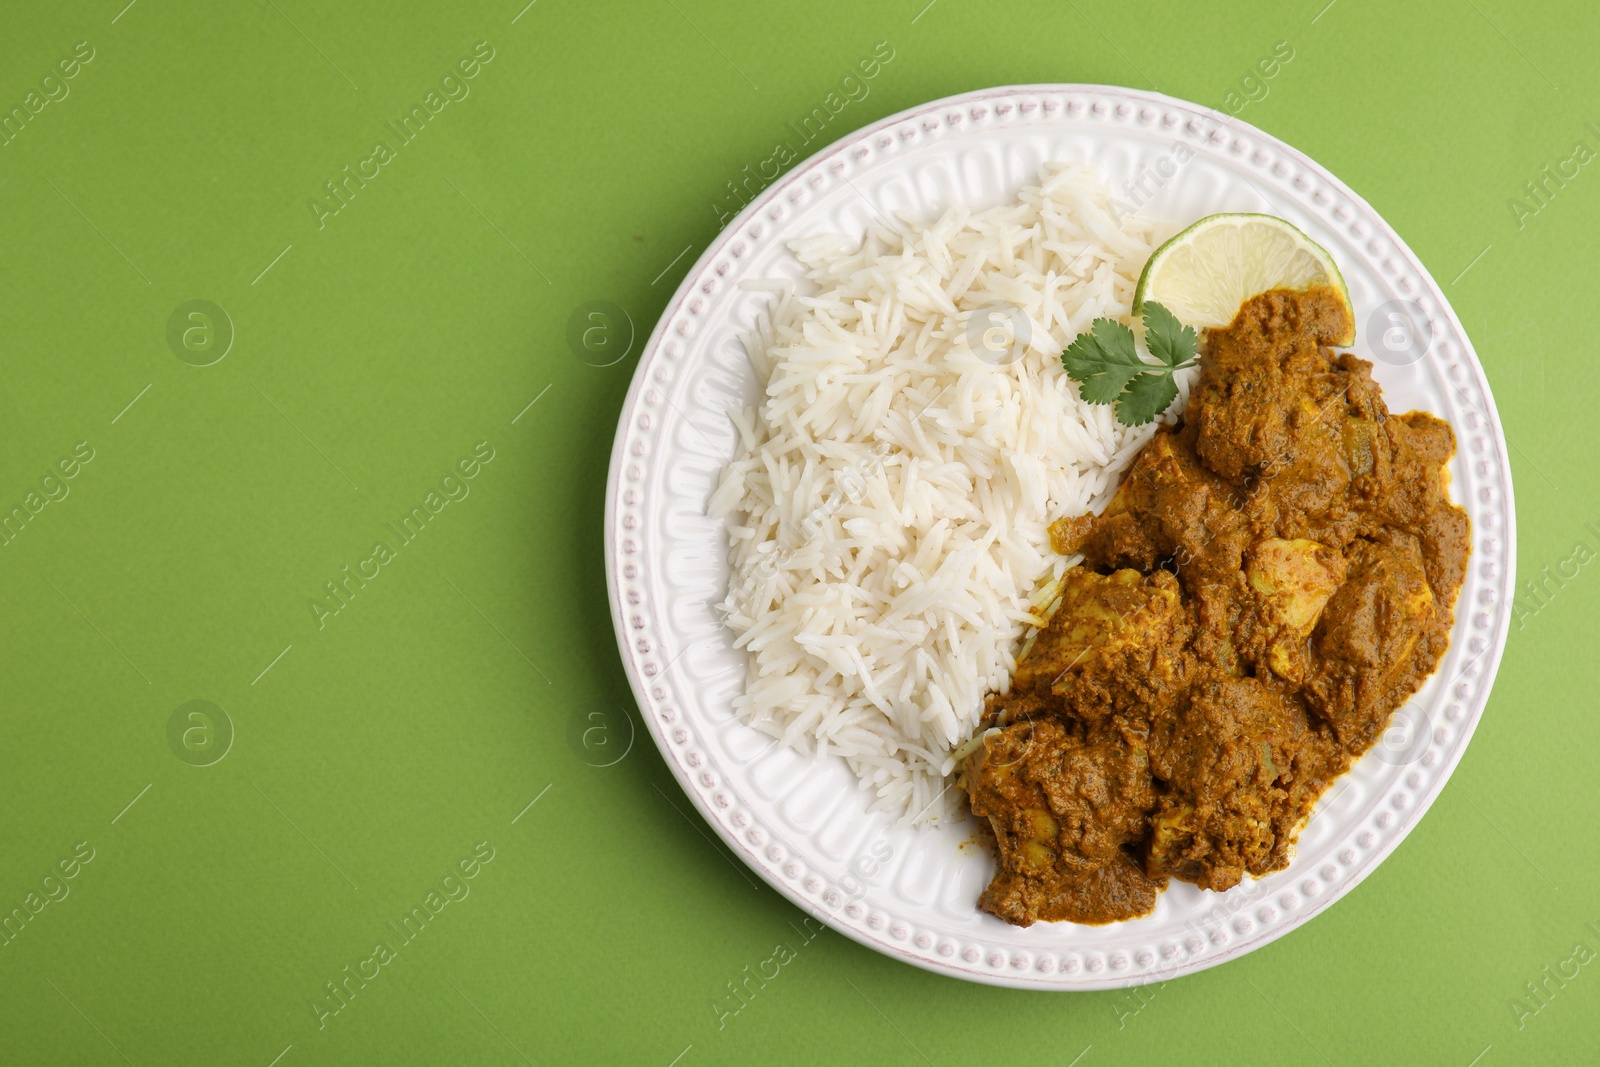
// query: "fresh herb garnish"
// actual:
[[1108, 368]]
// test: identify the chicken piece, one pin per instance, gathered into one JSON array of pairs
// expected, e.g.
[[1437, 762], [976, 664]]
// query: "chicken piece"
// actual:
[[1266, 382], [1370, 630], [1294, 579], [1309, 483], [1100, 614], [1423, 446], [1114, 643], [1168, 508], [1061, 810], [1242, 764]]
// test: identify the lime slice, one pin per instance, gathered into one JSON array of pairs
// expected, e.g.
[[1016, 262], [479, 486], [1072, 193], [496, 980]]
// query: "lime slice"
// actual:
[[1207, 271]]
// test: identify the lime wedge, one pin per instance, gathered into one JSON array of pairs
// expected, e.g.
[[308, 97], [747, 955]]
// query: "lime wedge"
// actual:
[[1207, 271]]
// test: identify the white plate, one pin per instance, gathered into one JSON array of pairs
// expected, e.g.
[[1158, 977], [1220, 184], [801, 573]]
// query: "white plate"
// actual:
[[803, 825]]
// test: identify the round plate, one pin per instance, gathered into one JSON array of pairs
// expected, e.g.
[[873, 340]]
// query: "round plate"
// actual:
[[803, 824]]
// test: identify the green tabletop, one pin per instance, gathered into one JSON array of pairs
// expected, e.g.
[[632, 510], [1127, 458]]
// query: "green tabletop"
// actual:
[[305, 640]]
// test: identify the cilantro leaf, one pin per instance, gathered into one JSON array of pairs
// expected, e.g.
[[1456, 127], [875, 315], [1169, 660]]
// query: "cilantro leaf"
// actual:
[[1101, 362], [1146, 396], [1170, 341], [1108, 369]]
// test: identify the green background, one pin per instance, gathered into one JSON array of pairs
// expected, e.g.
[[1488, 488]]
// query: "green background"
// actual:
[[374, 753]]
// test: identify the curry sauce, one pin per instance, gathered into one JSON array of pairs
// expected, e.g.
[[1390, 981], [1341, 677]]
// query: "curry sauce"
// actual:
[[1273, 578]]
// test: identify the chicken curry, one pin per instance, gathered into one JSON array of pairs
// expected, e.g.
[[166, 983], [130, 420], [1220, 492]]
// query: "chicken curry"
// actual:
[[1273, 578]]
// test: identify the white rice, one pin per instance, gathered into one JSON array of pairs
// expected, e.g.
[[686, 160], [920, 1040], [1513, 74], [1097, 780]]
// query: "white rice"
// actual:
[[888, 506]]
